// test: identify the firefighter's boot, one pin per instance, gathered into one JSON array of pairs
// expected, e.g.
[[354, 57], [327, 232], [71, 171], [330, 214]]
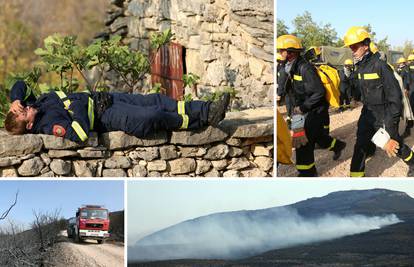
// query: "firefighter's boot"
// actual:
[[217, 110]]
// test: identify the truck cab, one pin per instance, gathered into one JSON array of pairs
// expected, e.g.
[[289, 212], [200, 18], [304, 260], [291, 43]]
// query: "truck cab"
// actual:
[[92, 222]]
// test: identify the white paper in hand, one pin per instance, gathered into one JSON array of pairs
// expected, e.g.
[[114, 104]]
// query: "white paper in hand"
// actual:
[[380, 138], [298, 121]]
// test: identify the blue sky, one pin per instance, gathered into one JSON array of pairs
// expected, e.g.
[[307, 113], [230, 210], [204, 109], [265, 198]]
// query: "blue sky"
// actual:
[[153, 205], [65, 195], [388, 18]]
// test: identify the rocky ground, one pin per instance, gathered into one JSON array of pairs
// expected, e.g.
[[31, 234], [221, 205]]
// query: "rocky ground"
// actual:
[[343, 126], [88, 253]]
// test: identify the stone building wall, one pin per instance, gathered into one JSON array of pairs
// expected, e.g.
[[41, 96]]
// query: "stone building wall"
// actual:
[[242, 146], [228, 42]]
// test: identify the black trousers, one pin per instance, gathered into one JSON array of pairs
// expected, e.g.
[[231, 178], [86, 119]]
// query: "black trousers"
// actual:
[[316, 134], [367, 127], [345, 96], [141, 115]]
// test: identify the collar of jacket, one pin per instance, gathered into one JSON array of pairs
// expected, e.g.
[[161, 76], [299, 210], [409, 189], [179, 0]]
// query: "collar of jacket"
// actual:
[[36, 120], [299, 61], [365, 58]]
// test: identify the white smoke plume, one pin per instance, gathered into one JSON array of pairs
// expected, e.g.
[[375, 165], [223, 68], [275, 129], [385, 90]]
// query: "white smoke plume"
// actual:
[[241, 234]]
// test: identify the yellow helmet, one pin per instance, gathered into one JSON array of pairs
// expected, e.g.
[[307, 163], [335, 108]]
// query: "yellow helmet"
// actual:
[[410, 57], [317, 50], [373, 47], [348, 62], [288, 41], [401, 60], [355, 34]]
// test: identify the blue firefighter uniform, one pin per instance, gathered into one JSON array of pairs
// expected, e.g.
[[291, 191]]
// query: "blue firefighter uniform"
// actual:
[[73, 116]]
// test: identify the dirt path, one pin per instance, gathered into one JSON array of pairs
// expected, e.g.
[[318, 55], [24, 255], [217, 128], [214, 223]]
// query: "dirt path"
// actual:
[[88, 253], [343, 126]]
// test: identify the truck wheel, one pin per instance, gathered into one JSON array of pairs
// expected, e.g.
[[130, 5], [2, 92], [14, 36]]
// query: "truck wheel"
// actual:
[[100, 241], [77, 239]]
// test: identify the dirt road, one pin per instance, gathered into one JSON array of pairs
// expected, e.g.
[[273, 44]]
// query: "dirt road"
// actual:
[[343, 126], [88, 253]]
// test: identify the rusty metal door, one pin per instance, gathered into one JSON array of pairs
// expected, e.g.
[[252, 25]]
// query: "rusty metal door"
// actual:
[[168, 68]]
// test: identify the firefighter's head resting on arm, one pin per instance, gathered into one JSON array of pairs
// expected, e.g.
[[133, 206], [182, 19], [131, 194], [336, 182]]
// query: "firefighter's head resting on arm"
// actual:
[[19, 122]]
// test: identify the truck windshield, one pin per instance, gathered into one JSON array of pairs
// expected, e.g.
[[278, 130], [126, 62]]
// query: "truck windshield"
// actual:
[[94, 214]]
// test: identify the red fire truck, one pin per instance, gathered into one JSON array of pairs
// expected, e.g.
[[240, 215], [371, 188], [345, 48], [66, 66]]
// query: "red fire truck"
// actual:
[[91, 222]]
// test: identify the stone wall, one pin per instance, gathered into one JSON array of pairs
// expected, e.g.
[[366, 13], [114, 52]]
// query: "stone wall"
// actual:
[[228, 42], [242, 146]]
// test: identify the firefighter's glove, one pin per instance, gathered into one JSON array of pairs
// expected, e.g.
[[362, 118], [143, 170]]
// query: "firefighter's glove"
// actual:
[[391, 147], [298, 131]]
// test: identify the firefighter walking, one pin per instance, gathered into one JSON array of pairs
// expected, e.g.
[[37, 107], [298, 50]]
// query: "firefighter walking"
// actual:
[[310, 107], [382, 104]]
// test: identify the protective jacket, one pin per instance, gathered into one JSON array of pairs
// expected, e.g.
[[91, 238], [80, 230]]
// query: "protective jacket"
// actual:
[[52, 116], [380, 92], [309, 92]]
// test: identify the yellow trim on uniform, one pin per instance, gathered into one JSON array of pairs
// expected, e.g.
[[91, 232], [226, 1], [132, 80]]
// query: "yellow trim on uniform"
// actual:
[[359, 76], [297, 77], [186, 120], [305, 167], [357, 174], [181, 107], [409, 157], [62, 96], [91, 112], [412, 67], [326, 126], [371, 76], [79, 131], [332, 144]]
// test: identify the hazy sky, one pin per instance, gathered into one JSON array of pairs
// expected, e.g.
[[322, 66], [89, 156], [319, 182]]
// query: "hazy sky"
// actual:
[[388, 18], [153, 205], [65, 195]]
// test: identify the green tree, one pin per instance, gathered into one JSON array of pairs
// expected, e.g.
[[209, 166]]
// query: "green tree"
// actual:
[[313, 34], [382, 44], [281, 28]]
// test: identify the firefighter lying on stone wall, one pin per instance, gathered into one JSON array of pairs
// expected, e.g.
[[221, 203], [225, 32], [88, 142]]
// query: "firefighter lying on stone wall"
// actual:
[[72, 116]]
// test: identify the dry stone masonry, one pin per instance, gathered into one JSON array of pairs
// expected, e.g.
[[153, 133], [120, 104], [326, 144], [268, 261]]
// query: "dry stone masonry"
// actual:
[[242, 146], [227, 42]]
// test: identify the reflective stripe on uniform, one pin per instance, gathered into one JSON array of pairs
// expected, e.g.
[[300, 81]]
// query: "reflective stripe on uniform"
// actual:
[[371, 76], [412, 67], [91, 114], [326, 126], [357, 174], [184, 125], [75, 125], [305, 167], [297, 77], [409, 157], [332, 144], [359, 76], [64, 98], [79, 131], [181, 107]]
